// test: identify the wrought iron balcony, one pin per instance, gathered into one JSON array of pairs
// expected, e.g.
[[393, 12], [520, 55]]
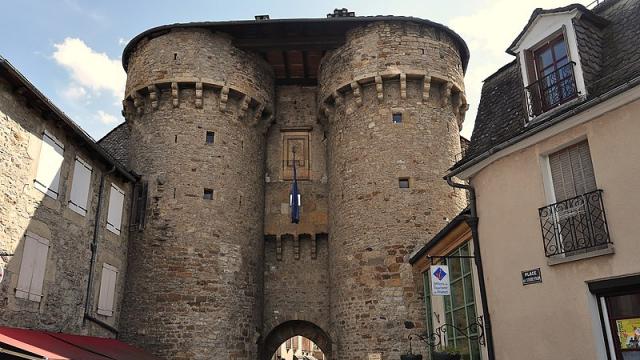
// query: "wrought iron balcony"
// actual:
[[551, 90], [575, 225]]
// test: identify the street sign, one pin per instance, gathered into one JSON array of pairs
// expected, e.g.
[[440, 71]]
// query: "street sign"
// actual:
[[531, 276], [440, 284]]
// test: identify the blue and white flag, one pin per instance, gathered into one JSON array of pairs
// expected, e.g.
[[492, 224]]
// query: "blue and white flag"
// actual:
[[294, 196]]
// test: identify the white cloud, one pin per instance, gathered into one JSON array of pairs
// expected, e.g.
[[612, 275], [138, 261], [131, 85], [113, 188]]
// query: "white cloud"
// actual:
[[75, 92], [105, 118], [488, 31], [122, 41], [89, 68]]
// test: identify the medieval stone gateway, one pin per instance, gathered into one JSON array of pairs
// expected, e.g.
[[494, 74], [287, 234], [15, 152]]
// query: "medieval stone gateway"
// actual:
[[372, 106]]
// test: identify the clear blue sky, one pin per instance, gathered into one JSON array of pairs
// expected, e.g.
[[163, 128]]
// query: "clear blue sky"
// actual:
[[69, 48]]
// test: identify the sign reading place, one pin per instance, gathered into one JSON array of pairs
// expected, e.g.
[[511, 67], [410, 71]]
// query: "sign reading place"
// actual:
[[531, 276], [440, 285]]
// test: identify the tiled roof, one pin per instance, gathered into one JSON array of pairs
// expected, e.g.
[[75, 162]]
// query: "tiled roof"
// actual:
[[502, 111], [116, 143]]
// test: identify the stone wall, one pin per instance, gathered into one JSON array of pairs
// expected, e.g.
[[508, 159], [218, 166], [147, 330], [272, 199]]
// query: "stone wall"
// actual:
[[374, 224], [296, 271], [296, 277], [195, 280], [24, 208]]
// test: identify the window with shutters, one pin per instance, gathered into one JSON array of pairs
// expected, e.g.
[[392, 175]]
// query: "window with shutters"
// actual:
[[48, 174], [107, 290], [572, 171], [32, 267], [575, 223], [80, 183], [114, 214]]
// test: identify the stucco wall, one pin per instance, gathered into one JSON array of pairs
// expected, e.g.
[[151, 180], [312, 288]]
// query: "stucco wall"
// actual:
[[558, 317]]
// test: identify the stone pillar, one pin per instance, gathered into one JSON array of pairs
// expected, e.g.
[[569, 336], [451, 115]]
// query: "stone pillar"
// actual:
[[373, 223], [194, 282]]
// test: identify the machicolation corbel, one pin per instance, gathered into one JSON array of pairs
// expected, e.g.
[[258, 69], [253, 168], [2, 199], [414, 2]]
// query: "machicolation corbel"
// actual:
[[224, 97], [379, 88], [403, 86], [426, 88], [198, 95], [357, 93], [153, 96], [175, 94]]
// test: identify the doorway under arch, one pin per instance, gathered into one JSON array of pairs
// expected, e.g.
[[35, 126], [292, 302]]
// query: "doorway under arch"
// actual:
[[292, 328]]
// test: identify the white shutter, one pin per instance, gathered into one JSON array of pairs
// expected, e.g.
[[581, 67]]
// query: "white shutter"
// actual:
[[32, 267], [114, 215], [48, 175], [80, 187], [107, 290], [572, 171]]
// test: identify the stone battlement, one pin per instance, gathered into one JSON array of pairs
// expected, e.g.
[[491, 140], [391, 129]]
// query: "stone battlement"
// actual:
[[440, 90], [246, 108]]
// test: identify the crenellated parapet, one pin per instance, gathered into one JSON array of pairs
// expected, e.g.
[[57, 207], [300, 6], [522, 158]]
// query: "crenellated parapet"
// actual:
[[179, 93], [433, 89]]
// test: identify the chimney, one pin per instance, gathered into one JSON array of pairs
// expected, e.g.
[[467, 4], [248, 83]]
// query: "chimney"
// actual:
[[261, 17], [341, 13]]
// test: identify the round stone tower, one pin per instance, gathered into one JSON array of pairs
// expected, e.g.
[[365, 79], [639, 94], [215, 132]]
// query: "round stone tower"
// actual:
[[197, 108], [392, 100]]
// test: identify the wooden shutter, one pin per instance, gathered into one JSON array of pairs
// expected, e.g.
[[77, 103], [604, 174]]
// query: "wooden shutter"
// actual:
[[51, 157], [114, 215], [80, 187], [32, 267], [572, 171], [107, 290]]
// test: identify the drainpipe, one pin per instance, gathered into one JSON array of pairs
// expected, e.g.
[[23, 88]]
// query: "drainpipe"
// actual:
[[473, 223], [94, 253]]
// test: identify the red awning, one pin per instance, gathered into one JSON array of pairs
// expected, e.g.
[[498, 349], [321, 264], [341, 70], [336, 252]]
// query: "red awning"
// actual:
[[57, 346]]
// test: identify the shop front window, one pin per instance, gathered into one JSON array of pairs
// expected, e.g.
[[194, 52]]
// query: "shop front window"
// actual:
[[460, 306], [624, 323]]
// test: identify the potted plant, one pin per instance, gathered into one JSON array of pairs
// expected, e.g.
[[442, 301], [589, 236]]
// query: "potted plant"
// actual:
[[447, 353]]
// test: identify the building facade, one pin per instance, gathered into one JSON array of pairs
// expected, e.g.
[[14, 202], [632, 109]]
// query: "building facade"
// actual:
[[64, 211], [370, 106], [553, 158]]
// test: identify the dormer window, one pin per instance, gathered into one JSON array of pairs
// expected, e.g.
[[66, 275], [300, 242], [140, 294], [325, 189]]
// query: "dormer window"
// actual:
[[550, 63], [554, 76]]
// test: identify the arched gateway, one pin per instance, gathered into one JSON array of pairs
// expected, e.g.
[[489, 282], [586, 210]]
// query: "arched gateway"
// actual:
[[293, 328]]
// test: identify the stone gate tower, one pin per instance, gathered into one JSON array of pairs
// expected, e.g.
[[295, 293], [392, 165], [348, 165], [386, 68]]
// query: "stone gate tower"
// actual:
[[373, 107]]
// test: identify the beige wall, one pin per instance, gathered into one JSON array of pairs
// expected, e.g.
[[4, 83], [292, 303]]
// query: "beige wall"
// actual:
[[556, 319]]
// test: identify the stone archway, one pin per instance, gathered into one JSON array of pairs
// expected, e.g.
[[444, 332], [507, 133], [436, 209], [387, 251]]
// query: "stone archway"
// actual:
[[292, 328]]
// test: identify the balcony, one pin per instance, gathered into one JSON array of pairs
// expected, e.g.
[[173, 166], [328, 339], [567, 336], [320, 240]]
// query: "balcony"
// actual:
[[574, 226], [552, 90]]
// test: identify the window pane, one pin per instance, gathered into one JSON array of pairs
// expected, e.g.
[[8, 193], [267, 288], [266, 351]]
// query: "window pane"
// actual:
[[545, 58], [624, 306], [457, 294], [560, 49], [455, 268], [468, 289], [459, 320]]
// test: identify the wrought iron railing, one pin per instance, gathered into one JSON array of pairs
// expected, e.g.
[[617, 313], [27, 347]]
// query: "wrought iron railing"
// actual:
[[575, 225], [551, 90]]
